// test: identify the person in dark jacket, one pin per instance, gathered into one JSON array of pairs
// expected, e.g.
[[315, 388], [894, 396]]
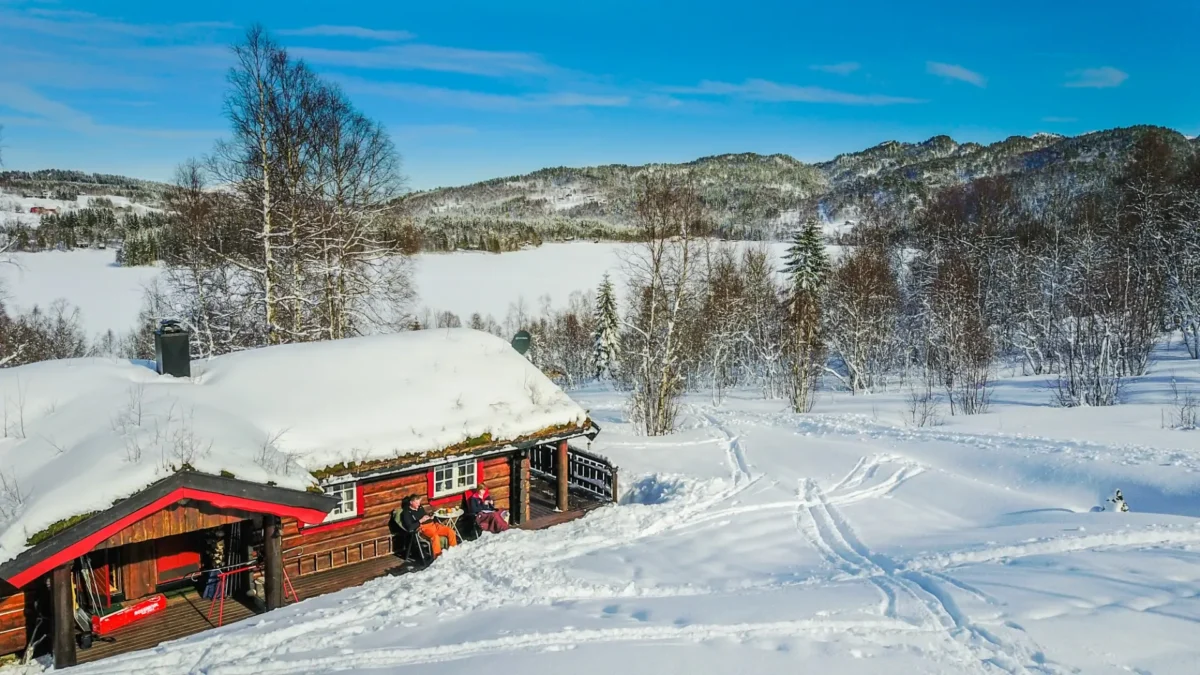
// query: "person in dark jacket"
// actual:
[[413, 518], [483, 507]]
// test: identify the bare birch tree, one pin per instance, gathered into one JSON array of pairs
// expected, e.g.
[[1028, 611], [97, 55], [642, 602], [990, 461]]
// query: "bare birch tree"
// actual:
[[662, 278], [861, 317], [303, 239]]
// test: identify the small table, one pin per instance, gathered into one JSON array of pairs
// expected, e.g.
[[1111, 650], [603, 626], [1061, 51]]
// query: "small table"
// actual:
[[449, 516]]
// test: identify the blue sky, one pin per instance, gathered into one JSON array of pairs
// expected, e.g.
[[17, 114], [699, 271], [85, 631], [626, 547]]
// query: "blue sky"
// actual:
[[473, 90]]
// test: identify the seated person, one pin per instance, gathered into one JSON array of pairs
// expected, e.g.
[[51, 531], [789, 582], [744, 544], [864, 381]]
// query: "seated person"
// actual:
[[413, 518], [483, 507]]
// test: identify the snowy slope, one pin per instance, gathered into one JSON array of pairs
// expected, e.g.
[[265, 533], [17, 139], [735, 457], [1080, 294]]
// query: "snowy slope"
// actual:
[[758, 541], [80, 434], [14, 208]]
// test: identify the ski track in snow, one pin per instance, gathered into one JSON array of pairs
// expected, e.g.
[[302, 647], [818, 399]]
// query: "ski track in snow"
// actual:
[[825, 528], [253, 663], [1078, 451], [735, 453], [1149, 537]]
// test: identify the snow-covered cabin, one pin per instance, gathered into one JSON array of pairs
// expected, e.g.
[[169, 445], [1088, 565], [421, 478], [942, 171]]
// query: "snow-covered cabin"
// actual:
[[118, 484]]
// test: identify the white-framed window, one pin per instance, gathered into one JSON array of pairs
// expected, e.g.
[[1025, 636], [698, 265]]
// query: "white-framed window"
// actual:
[[454, 477], [347, 506]]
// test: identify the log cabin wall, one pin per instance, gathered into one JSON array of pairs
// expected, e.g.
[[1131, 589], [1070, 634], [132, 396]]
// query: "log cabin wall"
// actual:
[[496, 472], [139, 570], [12, 621], [175, 519], [369, 535]]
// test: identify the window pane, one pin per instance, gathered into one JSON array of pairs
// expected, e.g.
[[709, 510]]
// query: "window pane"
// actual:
[[347, 502]]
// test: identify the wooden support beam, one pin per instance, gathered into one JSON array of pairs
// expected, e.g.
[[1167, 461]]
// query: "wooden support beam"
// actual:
[[63, 644], [272, 562], [524, 504], [514, 488], [562, 472]]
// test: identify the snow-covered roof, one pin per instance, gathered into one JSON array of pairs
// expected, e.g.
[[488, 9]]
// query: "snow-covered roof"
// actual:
[[84, 433]]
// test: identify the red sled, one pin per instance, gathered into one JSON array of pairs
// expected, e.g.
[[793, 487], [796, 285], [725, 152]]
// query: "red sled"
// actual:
[[102, 625]]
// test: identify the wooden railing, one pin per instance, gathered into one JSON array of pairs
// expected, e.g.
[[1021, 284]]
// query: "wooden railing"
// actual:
[[589, 473], [311, 563]]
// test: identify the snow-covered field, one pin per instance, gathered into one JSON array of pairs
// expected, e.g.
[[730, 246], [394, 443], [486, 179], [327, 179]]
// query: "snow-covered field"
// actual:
[[756, 540], [14, 208], [109, 296]]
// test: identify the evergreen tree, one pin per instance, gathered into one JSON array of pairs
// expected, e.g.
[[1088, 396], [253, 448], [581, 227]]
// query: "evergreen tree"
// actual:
[[807, 268], [806, 263], [606, 346]]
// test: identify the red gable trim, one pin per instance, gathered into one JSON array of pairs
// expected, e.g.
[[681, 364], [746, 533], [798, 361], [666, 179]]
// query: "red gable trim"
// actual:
[[218, 500]]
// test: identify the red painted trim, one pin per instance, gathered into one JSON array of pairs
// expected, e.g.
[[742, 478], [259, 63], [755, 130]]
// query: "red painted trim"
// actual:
[[344, 522], [218, 500], [453, 496]]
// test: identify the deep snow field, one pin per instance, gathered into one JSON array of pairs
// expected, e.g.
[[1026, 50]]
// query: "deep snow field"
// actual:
[[755, 540]]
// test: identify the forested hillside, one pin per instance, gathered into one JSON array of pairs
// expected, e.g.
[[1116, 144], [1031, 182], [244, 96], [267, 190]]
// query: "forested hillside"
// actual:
[[69, 185], [753, 196], [747, 196]]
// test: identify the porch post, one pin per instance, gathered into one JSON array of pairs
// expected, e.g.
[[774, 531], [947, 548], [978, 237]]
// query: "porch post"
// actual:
[[524, 504], [514, 488], [562, 470], [63, 644], [272, 562]]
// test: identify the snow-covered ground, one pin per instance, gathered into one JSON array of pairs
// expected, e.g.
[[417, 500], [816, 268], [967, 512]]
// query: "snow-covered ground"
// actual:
[[757, 540], [465, 282], [14, 208], [110, 296]]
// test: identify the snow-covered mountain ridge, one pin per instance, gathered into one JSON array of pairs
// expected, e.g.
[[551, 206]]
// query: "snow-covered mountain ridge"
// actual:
[[754, 196]]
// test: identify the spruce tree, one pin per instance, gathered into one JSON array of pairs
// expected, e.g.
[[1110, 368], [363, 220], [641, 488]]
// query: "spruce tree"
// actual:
[[806, 263], [807, 268], [606, 345]]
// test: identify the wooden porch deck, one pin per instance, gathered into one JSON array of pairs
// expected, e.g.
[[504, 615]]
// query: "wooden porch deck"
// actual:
[[187, 614], [543, 501]]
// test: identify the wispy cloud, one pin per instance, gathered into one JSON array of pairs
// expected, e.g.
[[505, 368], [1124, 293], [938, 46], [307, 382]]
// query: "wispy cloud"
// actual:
[[91, 28], [765, 90], [430, 57], [1059, 120], [838, 68], [39, 110], [23, 99], [955, 72], [1097, 78], [37, 65], [478, 100], [359, 32]]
